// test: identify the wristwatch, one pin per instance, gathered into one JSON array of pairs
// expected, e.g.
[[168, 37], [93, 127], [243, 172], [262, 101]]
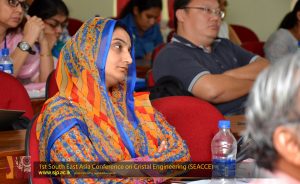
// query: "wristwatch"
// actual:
[[24, 46]]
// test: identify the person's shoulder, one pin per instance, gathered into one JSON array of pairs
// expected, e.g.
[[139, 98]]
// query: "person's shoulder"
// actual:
[[62, 105], [170, 51], [280, 36], [14, 38]]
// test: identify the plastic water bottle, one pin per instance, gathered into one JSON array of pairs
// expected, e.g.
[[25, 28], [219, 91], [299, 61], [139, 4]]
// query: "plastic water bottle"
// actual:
[[6, 64], [224, 148]]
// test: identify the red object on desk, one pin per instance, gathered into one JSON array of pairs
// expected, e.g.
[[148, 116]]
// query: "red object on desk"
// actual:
[[13, 95]]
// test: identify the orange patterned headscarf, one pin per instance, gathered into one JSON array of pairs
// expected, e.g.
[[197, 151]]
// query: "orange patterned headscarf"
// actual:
[[110, 120]]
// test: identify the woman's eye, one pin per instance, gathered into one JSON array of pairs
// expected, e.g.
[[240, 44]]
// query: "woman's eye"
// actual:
[[118, 46]]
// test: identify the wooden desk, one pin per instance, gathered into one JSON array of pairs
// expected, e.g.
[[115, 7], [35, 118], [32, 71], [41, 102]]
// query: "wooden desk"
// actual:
[[12, 143]]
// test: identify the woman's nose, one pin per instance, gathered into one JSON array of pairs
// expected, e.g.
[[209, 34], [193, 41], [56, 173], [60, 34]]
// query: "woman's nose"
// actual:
[[152, 21], [128, 58], [19, 8], [59, 29]]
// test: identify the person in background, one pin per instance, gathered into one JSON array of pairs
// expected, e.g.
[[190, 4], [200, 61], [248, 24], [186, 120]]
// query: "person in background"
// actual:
[[273, 120], [286, 39], [213, 69], [31, 63], [141, 16], [55, 14], [95, 116], [226, 31]]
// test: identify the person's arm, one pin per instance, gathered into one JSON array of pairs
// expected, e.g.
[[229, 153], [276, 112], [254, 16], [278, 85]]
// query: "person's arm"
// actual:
[[219, 88], [81, 150], [46, 58], [31, 32], [233, 36], [176, 149], [250, 71]]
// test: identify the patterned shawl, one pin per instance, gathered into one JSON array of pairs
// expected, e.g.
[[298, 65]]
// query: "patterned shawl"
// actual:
[[119, 127]]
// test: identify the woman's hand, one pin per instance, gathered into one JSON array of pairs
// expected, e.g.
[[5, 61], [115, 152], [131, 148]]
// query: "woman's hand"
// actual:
[[162, 147], [51, 38], [33, 29]]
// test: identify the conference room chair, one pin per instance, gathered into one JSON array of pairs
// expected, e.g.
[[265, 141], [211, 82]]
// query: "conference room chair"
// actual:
[[244, 33], [73, 25], [51, 86], [14, 95], [149, 79], [256, 47], [32, 150], [194, 119]]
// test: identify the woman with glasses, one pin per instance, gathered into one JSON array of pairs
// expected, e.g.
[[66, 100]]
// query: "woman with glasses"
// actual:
[[32, 63], [55, 14]]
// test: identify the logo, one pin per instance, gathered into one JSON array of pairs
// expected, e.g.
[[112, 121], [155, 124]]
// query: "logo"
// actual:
[[18, 167]]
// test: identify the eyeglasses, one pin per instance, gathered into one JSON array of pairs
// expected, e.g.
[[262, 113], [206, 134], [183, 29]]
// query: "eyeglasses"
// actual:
[[209, 11], [15, 3], [56, 23]]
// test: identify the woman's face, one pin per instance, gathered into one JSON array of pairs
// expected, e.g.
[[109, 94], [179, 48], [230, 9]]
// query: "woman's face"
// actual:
[[118, 58], [56, 24], [11, 13], [147, 18]]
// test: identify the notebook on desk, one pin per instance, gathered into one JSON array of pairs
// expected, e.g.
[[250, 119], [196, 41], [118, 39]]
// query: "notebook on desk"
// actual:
[[8, 117]]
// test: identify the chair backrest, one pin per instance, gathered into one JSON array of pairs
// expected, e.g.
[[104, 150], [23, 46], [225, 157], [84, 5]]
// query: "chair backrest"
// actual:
[[51, 86], [120, 5], [14, 95], [32, 150], [245, 34], [171, 14], [149, 79], [73, 25], [156, 51], [255, 47], [195, 120]]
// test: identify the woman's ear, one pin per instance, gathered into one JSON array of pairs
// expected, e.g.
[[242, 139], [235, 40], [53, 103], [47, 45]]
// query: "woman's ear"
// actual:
[[287, 145], [135, 10], [298, 15]]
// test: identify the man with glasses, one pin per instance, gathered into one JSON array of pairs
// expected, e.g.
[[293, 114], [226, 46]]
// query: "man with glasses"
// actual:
[[211, 68]]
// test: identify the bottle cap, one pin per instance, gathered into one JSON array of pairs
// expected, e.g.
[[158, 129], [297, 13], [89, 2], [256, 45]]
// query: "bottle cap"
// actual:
[[224, 124], [5, 52]]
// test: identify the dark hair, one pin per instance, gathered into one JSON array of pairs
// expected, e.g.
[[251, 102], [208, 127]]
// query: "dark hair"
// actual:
[[142, 6], [179, 4], [45, 9], [290, 20]]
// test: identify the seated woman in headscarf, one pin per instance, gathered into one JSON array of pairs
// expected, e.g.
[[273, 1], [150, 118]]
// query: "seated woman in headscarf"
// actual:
[[95, 117]]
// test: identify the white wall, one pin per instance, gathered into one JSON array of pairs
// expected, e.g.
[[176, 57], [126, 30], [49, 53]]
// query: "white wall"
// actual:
[[85, 9], [262, 16]]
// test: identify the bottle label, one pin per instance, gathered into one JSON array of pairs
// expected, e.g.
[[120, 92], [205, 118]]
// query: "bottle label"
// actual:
[[224, 168], [7, 68]]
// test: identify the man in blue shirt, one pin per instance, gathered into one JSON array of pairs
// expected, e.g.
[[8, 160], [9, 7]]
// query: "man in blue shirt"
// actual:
[[213, 69], [141, 18]]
